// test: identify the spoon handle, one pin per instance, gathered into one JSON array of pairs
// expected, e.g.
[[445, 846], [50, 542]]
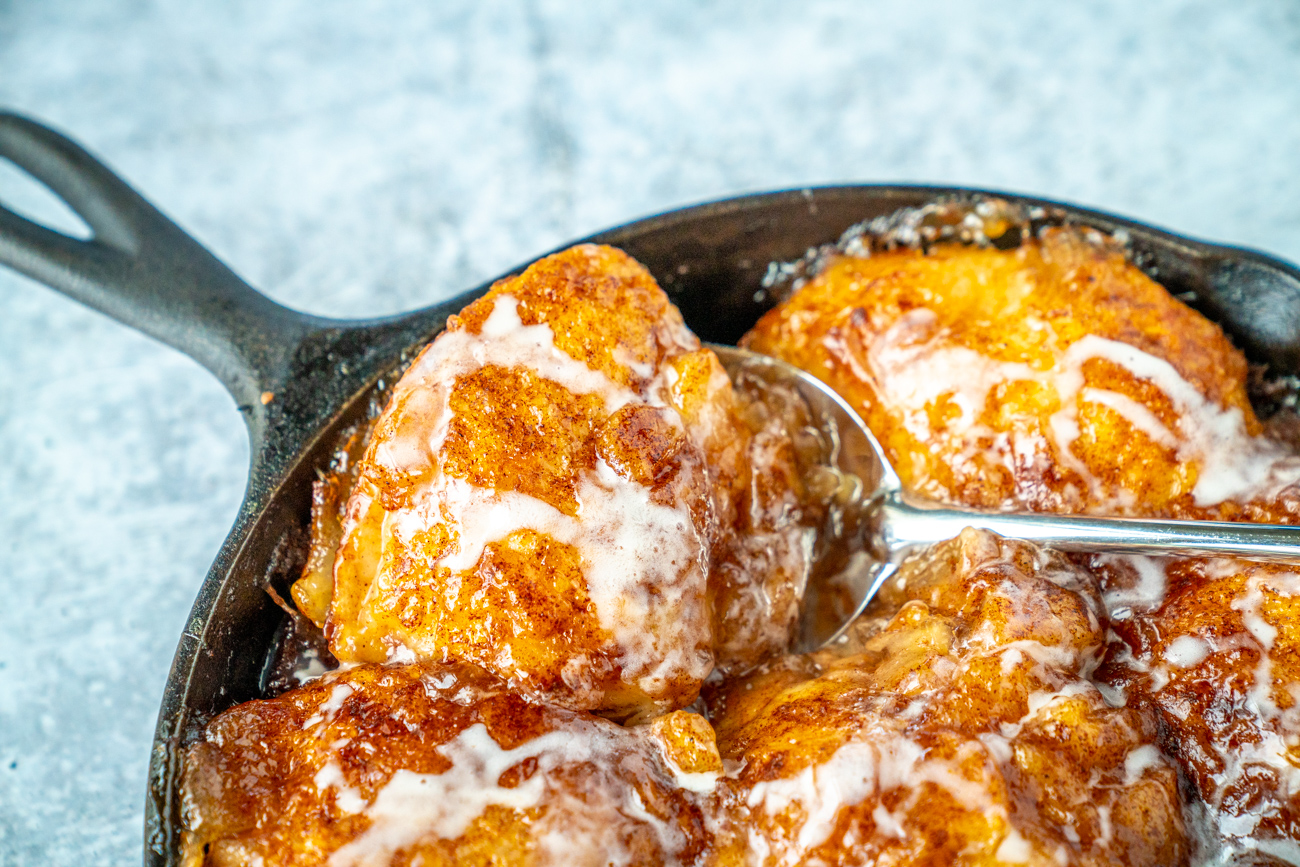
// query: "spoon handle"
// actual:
[[905, 527]]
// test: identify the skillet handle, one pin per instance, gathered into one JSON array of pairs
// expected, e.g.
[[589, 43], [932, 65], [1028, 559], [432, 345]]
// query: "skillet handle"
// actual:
[[144, 271]]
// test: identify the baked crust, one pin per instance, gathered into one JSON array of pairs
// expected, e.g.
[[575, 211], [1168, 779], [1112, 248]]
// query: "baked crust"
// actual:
[[565, 490], [1053, 377], [957, 724]]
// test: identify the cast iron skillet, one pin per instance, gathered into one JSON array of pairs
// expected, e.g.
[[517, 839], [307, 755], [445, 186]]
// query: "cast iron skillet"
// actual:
[[299, 380]]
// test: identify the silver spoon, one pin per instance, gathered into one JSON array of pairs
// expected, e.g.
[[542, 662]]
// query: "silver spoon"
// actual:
[[899, 523]]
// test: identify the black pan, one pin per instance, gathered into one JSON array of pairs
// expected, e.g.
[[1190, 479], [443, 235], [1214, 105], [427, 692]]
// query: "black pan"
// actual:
[[300, 380]]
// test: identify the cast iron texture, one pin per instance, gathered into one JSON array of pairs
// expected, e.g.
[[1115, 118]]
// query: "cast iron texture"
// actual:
[[300, 380]]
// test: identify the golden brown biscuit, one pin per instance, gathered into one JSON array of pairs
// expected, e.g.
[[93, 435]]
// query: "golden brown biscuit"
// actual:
[[955, 726], [564, 489], [1214, 647], [1052, 377], [398, 765]]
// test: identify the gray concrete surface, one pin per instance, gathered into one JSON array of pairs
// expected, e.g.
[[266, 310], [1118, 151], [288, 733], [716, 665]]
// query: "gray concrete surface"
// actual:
[[367, 157]]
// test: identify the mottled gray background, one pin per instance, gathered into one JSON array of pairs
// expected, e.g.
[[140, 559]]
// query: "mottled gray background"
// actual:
[[367, 157]]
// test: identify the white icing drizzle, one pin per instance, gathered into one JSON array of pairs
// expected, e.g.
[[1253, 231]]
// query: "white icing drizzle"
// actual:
[[330, 776], [1045, 656], [887, 823], [1223, 830], [645, 564], [1113, 696], [1044, 699], [401, 655], [1141, 759], [346, 798], [1186, 651], [1107, 829], [700, 782], [1270, 752], [1134, 413], [879, 761], [412, 807], [909, 374], [1147, 593], [999, 747], [1014, 849], [883, 769], [1232, 464], [1259, 699], [328, 708], [503, 341], [639, 559], [912, 364], [310, 666]]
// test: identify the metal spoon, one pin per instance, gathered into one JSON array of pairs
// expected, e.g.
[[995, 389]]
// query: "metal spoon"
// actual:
[[899, 523]]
